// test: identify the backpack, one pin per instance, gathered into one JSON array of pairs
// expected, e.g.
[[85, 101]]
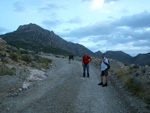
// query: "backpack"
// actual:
[[108, 66]]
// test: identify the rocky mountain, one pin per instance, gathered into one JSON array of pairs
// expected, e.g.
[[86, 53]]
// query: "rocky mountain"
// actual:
[[142, 59], [33, 37], [120, 56], [98, 54]]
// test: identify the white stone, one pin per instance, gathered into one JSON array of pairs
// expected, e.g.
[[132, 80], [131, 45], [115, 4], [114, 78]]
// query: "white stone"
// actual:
[[25, 85]]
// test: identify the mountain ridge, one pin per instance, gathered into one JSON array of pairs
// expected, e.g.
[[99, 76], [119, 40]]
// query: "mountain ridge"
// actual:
[[34, 37], [140, 59], [39, 39]]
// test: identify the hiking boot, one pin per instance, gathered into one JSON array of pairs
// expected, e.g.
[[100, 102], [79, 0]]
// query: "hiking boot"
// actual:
[[105, 85], [100, 83]]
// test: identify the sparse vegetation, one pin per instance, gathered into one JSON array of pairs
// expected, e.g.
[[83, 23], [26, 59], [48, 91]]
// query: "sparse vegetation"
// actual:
[[37, 58], [121, 73], [143, 71], [4, 71], [133, 67], [4, 60], [132, 78], [26, 58], [45, 61], [137, 74], [24, 52], [134, 86], [33, 65], [14, 56]]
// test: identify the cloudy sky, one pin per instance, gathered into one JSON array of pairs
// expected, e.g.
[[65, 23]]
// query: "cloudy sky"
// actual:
[[118, 25]]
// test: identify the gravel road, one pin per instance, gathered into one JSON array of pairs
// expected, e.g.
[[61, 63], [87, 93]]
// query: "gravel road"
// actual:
[[66, 91]]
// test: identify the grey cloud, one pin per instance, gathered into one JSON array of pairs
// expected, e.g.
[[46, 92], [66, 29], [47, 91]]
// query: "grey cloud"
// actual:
[[114, 27], [51, 23], [51, 7], [18, 7], [3, 30], [121, 33], [142, 43], [76, 20], [94, 30], [135, 21]]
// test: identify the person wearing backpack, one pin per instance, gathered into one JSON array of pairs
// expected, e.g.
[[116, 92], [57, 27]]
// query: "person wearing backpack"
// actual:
[[85, 63], [104, 70]]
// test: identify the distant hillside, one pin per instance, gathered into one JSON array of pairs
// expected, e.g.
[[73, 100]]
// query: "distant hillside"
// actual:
[[33, 37], [98, 54], [142, 59], [120, 56]]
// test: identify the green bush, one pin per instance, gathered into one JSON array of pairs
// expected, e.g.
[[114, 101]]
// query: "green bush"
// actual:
[[24, 52], [26, 58], [135, 67], [45, 61], [33, 65], [4, 60], [143, 71], [14, 56], [37, 58], [4, 71], [134, 86]]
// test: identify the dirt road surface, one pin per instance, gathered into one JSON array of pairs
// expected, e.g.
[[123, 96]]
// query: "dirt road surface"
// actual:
[[66, 91]]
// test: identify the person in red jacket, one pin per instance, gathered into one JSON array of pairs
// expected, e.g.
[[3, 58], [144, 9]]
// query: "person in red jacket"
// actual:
[[85, 63]]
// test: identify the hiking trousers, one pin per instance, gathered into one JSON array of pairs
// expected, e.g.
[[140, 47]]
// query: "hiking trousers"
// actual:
[[85, 67]]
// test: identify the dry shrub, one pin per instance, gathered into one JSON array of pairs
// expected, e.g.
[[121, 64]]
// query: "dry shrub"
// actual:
[[26, 58], [46, 61], [6, 71], [135, 86], [14, 56], [122, 73]]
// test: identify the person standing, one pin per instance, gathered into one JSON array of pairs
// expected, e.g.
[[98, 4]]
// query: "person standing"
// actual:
[[85, 63], [104, 70]]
